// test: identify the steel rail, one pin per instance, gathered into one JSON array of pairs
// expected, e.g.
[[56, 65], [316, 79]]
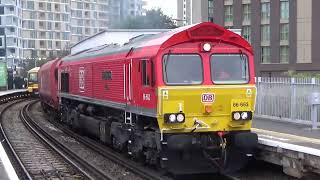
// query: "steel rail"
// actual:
[[77, 161], [112, 155], [24, 172]]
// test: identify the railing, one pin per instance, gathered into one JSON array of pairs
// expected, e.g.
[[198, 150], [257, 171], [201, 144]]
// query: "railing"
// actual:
[[286, 98]]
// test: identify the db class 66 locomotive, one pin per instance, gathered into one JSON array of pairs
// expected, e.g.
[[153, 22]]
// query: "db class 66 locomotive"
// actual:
[[182, 100]]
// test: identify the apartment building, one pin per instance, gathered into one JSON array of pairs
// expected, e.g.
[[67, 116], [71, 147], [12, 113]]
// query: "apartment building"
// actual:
[[122, 9], [10, 31], [42, 28], [283, 33]]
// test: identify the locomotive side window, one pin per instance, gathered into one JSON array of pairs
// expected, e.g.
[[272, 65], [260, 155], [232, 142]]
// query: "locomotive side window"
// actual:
[[107, 75], [65, 82], [229, 69], [182, 69], [145, 74]]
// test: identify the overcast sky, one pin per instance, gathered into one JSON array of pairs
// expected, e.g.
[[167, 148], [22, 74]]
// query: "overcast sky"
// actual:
[[169, 7]]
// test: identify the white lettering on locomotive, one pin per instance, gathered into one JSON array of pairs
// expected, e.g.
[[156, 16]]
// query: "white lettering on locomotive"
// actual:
[[207, 98], [81, 79], [165, 94]]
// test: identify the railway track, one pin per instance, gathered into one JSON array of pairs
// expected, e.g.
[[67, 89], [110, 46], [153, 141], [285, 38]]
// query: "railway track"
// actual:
[[35, 155], [137, 168], [39, 155]]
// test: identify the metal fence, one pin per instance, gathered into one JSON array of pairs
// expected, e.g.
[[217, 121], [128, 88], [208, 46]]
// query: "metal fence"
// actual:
[[286, 98]]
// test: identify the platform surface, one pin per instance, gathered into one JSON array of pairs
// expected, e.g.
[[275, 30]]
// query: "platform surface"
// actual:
[[2, 93], [287, 135], [6, 169]]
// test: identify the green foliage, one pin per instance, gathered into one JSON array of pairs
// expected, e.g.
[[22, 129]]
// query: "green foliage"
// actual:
[[291, 73], [154, 19]]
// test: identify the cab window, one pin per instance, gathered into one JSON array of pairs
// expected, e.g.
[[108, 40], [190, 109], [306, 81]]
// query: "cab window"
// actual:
[[145, 74], [229, 69], [33, 78], [182, 69]]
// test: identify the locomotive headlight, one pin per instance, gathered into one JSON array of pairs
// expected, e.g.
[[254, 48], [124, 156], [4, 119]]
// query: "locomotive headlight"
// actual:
[[172, 118], [236, 116], [206, 47], [180, 118], [244, 115]]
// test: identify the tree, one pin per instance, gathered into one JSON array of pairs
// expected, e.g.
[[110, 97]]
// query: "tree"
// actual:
[[154, 19]]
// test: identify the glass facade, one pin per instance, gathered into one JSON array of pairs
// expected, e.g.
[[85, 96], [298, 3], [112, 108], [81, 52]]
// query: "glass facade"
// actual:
[[284, 10], [265, 11], [265, 33], [228, 14], [246, 13], [265, 55], [284, 54], [246, 33], [284, 32]]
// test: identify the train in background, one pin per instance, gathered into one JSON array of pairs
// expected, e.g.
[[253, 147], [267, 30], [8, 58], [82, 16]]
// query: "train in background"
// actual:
[[32, 81], [182, 100]]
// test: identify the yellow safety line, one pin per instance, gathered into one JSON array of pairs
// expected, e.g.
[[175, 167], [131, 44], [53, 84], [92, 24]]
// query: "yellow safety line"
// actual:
[[283, 135]]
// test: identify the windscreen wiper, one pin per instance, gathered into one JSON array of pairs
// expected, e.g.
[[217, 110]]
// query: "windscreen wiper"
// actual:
[[242, 58], [166, 64]]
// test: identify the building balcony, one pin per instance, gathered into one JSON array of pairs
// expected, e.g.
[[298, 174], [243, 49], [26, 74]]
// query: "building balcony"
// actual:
[[9, 2]]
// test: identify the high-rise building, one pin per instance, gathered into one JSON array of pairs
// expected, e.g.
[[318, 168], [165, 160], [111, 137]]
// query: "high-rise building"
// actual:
[[122, 9], [284, 33], [191, 11], [10, 31], [41, 28]]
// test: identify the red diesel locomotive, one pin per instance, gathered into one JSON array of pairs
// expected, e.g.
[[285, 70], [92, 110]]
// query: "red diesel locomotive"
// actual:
[[182, 99]]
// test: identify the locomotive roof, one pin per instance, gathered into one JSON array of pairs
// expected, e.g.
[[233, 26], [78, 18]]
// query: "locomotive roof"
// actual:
[[202, 31]]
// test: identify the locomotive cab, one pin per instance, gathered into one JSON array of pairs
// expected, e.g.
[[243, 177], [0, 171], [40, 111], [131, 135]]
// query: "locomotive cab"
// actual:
[[206, 99]]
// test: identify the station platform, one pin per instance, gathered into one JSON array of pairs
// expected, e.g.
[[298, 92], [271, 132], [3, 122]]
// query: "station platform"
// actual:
[[295, 134], [7, 171], [296, 147], [3, 93]]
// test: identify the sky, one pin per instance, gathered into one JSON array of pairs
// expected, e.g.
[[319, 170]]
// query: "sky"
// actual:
[[169, 7]]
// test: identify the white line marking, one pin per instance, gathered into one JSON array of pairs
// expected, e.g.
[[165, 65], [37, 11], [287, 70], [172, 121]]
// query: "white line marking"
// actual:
[[272, 137], [293, 147], [7, 164]]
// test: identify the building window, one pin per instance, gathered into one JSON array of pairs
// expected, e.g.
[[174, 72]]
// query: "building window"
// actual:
[[210, 7], [30, 5], [246, 13], [49, 7], [31, 25], [49, 44], [284, 32], [31, 44], [284, 8], [284, 54], [1, 10], [49, 26], [265, 11], [228, 14], [265, 33], [50, 16], [246, 33], [265, 54], [33, 34]]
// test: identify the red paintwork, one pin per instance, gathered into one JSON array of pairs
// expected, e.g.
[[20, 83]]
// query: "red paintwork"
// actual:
[[48, 83], [181, 40]]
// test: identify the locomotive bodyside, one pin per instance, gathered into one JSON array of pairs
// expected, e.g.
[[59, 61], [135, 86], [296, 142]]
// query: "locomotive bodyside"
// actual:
[[48, 84], [159, 98]]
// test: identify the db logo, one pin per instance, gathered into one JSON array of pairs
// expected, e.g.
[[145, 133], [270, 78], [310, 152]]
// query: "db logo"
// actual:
[[207, 98]]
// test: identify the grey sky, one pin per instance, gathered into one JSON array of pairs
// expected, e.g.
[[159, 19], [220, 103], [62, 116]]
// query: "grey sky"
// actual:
[[169, 7]]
